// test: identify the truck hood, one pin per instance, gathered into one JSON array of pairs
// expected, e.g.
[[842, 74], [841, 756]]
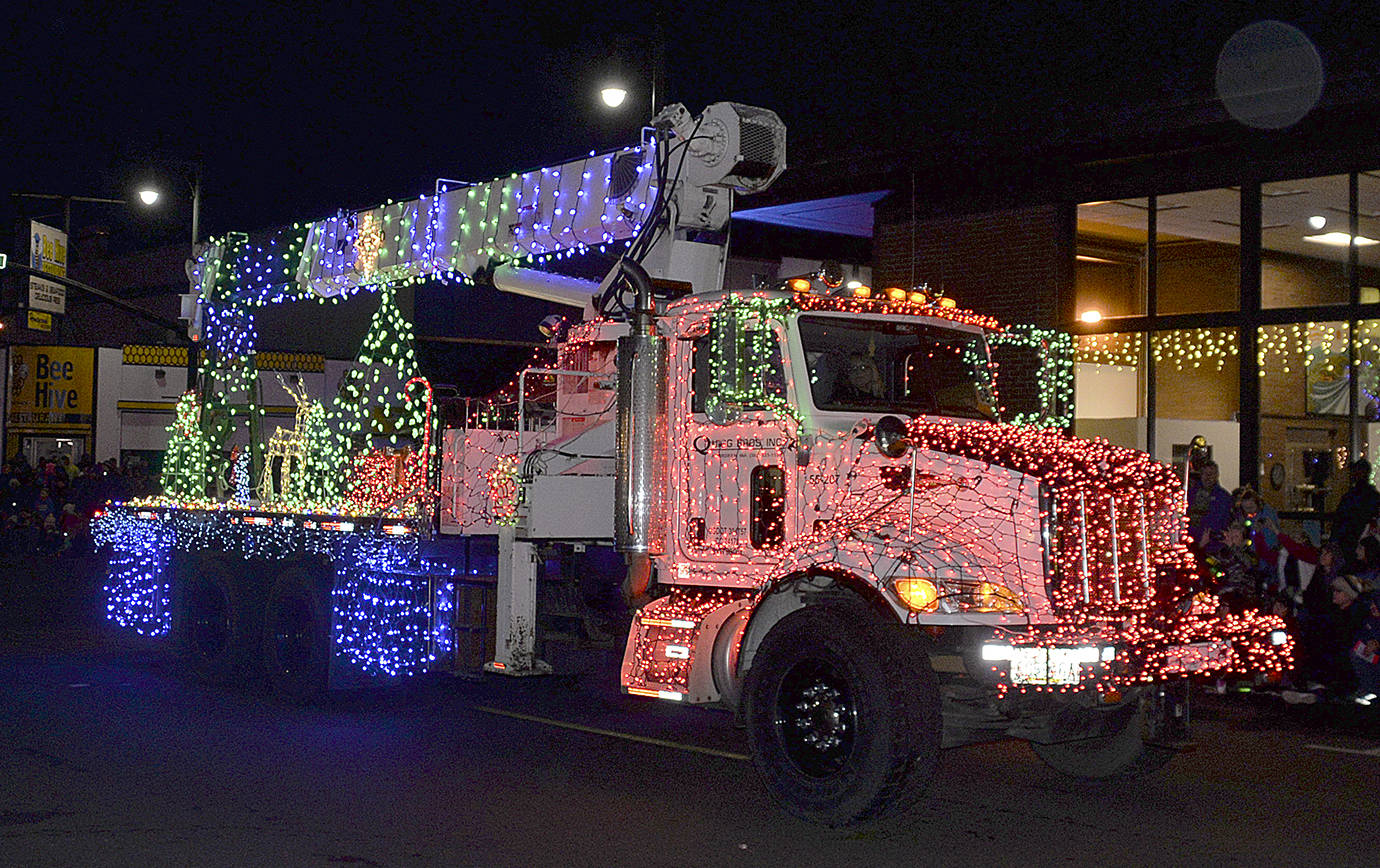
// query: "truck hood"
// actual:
[[1116, 517]]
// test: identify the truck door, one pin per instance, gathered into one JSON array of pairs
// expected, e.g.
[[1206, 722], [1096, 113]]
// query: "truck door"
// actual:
[[738, 442]]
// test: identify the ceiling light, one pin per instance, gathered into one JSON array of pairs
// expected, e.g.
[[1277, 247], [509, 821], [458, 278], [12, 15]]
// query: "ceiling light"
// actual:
[[1339, 239], [1317, 221], [1093, 315]]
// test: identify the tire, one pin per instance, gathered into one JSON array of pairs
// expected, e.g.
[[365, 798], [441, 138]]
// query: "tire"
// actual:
[[296, 638], [218, 638], [1120, 755], [843, 715]]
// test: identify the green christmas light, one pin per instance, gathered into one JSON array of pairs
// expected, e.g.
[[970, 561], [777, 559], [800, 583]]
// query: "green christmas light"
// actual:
[[1054, 379], [186, 463]]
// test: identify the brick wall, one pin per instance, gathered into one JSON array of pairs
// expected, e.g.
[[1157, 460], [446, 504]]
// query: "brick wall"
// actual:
[[1014, 265]]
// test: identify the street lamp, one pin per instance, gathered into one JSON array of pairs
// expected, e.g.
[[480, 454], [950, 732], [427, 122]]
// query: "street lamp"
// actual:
[[149, 194], [652, 49], [613, 95]]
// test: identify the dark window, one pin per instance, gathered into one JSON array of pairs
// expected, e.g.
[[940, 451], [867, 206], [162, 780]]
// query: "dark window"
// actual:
[[765, 377], [768, 506]]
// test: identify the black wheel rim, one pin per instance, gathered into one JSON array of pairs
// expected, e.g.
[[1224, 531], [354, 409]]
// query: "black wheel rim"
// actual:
[[816, 717], [294, 636], [210, 621]]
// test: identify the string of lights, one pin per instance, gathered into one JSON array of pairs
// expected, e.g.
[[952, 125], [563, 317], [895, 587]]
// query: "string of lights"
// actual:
[[384, 595]]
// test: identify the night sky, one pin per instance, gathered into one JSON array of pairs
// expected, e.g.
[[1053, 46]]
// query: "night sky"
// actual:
[[297, 113]]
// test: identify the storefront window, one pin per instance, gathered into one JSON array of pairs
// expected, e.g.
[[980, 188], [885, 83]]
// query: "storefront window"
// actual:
[[1197, 391], [1367, 254], [1368, 391], [1305, 413], [1198, 251], [1109, 272], [1304, 230], [1109, 388]]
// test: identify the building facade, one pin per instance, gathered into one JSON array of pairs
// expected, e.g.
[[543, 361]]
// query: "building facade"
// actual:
[[1219, 281]]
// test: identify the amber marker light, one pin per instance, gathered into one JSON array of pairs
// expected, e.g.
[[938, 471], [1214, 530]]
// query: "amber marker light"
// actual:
[[895, 293], [800, 284], [862, 290], [919, 595], [992, 597]]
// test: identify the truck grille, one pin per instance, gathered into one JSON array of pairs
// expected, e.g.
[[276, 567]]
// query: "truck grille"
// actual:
[[1109, 550]]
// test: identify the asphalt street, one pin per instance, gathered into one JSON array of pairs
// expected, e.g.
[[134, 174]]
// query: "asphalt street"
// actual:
[[111, 755]]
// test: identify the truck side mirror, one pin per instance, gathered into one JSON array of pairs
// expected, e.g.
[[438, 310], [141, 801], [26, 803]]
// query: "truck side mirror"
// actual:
[[1045, 356]]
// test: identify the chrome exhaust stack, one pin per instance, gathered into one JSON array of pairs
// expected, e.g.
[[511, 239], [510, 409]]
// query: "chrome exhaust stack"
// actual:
[[639, 496]]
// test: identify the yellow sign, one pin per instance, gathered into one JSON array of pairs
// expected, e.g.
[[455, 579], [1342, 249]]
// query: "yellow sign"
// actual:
[[48, 252], [40, 321], [51, 385]]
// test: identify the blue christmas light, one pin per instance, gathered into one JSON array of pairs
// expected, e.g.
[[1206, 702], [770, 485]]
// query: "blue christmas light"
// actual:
[[392, 609], [383, 618], [137, 591]]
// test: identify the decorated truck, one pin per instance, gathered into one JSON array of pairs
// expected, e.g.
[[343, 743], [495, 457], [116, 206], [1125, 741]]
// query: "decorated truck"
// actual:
[[825, 527]]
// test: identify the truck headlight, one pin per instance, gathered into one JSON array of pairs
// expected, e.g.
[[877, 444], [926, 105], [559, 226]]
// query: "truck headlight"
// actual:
[[992, 597]]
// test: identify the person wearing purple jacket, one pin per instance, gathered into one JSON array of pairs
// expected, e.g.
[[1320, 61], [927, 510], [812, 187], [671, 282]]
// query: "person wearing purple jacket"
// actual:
[[1209, 505]]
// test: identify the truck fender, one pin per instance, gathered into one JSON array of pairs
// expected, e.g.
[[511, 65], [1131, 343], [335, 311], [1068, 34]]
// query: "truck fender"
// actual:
[[714, 664], [791, 594]]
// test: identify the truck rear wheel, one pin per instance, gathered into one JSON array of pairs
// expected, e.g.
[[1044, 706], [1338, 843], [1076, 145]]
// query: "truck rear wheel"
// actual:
[[843, 715], [296, 644], [216, 637], [1122, 754]]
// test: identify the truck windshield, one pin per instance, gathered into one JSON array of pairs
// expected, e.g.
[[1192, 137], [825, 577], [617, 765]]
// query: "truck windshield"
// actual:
[[907, 367]]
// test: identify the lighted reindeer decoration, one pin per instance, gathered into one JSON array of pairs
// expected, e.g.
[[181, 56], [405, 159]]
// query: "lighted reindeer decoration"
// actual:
[[288, 445]]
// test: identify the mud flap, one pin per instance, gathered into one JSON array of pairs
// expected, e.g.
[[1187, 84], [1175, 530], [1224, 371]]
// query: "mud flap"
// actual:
[[1167, 719]]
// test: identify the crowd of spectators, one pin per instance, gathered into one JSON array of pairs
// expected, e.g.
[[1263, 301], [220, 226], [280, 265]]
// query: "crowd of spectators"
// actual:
[[47, 509], [1329, 593]]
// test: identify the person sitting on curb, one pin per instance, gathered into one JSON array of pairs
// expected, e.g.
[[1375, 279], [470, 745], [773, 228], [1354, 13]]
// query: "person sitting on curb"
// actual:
[[1364, 610], [1356, 639]]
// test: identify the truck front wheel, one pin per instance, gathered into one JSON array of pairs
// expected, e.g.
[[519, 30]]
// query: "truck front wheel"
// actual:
[[296, 643], [842, 715], [1121, 754]]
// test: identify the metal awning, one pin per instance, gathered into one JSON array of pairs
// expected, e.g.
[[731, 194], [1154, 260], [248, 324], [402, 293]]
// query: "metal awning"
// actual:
[[841, 215]]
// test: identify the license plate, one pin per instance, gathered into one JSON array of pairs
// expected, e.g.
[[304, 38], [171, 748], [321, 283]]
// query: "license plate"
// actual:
[[1196, 656], [1044, 666]]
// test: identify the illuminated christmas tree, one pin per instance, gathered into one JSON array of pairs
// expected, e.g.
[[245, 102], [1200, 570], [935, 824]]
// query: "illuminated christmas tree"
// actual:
[[186, 464], [369, 409]]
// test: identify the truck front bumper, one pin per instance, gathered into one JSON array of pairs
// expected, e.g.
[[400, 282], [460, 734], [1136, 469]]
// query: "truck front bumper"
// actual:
[[1109, 659]]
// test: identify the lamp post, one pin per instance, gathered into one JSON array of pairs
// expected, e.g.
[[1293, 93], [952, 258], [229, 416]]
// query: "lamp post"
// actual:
[[614, 90], [149, 194]]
